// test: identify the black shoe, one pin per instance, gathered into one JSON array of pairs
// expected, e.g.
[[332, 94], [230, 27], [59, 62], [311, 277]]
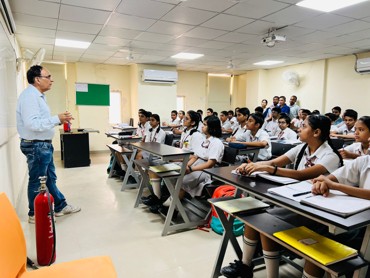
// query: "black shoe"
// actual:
[[145, 197], [155, 208], [237, 270], [164, 210], [151, 200]]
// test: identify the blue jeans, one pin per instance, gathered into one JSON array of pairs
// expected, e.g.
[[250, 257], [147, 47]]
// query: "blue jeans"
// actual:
[[40, 163]]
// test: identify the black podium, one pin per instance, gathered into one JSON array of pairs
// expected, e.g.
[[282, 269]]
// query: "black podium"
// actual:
[[75, 150]]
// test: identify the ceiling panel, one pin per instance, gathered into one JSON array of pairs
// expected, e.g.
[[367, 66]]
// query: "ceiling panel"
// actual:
[[144, 8], [188, 15], [35, 21], [83, 14], [227, 22], [256, 8], [106, 5], [79, 27], [130, 22], [35, 7]]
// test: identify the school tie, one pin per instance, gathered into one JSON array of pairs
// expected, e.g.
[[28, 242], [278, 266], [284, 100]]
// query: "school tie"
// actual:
[[310, 162], [280, 134]]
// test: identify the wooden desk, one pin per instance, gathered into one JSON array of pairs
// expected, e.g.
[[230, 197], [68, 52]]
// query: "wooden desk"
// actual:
[[129, 159], [173, 183], [258, 187]]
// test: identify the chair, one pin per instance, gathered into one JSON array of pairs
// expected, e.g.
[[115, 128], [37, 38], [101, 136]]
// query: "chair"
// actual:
[[13, 255], [168, 139]]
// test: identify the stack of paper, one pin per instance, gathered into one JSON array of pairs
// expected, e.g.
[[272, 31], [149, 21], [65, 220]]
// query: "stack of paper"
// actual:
[[241, 205], [295, 191], [319, 248]]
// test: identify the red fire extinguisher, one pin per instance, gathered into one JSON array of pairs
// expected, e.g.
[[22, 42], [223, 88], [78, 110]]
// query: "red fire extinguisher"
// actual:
[[45, 227]]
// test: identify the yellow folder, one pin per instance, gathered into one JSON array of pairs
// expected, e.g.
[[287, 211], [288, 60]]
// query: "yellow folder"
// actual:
[[318, 247]]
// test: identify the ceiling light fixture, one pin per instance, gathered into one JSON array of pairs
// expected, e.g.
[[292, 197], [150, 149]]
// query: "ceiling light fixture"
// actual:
[[72, 43], [328, 5], [219, 74], [187, 56], [268, 63]]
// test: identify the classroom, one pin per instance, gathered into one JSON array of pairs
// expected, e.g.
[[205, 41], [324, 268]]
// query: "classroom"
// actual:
[[319, 57]]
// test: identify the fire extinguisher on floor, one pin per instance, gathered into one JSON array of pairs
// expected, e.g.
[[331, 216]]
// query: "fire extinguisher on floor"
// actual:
[[45, 226]]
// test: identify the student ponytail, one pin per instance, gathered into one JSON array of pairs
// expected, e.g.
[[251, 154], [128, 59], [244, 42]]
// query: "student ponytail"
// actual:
[[317, 121]]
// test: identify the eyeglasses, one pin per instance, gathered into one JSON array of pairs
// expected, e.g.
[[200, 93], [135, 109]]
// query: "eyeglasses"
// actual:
[[47, 77], [282, 123]]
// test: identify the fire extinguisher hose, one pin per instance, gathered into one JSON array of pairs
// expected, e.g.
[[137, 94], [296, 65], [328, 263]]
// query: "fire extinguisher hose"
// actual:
[[53, 225]]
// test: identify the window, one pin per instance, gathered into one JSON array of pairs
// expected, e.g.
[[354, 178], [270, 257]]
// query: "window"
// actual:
[[115, 108], [180, 103]]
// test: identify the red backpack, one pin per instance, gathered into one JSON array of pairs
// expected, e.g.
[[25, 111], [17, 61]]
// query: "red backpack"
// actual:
[[215, 223]]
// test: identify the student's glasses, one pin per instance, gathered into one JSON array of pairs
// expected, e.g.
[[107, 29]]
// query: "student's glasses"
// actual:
[[282, 123]]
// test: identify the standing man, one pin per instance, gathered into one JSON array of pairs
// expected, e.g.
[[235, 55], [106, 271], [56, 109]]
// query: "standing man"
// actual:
[[35, 126], [294, 108]]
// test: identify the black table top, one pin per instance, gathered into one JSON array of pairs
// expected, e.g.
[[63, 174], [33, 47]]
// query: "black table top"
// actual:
[[259, 186], [160, 149]]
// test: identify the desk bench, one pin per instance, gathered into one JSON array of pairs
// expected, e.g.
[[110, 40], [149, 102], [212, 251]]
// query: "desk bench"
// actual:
[[267, 225], [120, 155]]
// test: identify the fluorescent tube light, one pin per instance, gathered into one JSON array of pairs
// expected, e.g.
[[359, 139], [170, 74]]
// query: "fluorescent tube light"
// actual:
[[328, 5], [268, 63], [188, 56], [71, 43], [219, 74]]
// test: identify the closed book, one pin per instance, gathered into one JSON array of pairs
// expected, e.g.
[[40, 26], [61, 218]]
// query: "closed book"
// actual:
[[249, 204], [318, 247], [165, 168]]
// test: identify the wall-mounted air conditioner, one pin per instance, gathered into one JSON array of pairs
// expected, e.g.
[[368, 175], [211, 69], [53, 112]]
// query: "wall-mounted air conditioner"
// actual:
[[159, 76], [363, 65]]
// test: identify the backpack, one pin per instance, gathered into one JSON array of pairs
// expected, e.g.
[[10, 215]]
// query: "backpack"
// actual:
[[238, 226]]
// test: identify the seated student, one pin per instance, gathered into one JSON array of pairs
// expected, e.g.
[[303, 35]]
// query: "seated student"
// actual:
[[283, 106], [255, 136], [242, 117], [362, 135], [153, 134], [143, 125], [259, 109], [232, 118], [266, 110], [348, 129], [332, 118], [178, 130], [296, 123], [313, 158], [225, 123], [284, 132], [352, 179], [174, 121], [210, 112], [210, 153], [191, 139], [271, 126], [200, 114], [336, 110]]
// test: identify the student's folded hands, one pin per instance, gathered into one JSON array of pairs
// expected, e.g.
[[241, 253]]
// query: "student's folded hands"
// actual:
[[248, 168], [321, 185]]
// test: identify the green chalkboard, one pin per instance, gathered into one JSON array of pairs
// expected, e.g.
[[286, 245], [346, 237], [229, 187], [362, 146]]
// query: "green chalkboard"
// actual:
[[92, 94]]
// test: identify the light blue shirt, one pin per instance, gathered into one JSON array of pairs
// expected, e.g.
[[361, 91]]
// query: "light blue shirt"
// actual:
[[34, 121]]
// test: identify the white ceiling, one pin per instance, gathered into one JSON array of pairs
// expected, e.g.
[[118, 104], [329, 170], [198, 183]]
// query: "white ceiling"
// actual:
[[220, 29]]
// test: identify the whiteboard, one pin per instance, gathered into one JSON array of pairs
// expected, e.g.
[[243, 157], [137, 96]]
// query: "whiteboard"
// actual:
[[8, 88]]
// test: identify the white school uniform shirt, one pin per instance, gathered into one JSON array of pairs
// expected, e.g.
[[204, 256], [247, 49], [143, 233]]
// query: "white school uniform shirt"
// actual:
[[355, 148], [226, 124], [286, 134], [174, 122], [297, 122], [355, 173], [141, 131], [344, 130], [191, 142], [200, 125], [324, 156], [238, 133], [260, 136], [211, 148], [271, 126], [234, 122], [153, 136]]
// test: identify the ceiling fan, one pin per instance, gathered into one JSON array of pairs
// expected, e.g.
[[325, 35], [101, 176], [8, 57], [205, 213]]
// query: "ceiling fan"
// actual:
[[31, 57]]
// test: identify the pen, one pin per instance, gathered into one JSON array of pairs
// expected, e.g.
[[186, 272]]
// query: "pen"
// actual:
[[301, 193]]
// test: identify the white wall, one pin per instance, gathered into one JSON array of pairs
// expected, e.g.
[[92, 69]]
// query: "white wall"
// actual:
[[219, 97]]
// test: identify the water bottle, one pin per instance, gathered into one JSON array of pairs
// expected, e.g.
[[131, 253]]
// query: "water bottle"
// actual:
[[67, 127]]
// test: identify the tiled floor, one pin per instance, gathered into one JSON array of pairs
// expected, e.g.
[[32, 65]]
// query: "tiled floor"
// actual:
[[109, 225]]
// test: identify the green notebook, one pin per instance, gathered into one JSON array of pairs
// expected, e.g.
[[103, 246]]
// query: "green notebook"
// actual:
[[165, 168], [241, 205]]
